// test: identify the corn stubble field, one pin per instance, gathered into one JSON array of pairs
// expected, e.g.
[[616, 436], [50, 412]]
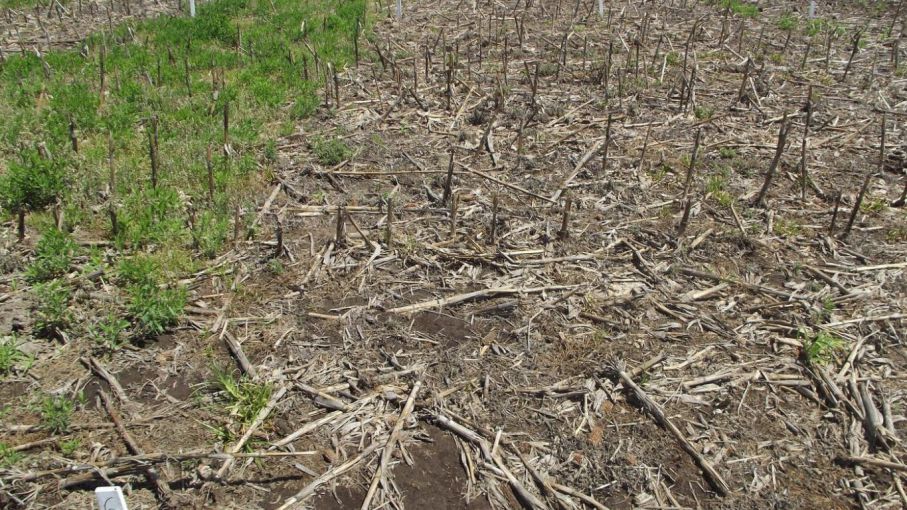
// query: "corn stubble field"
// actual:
[[521, 254]]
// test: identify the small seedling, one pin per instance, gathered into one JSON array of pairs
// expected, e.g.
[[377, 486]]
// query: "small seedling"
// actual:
[[243, 398], [56, 414], [727, 153], [8, 456], [873, 206], [331, 151], [12, 358], [109, 333], [823, 348], [69, 446], [275, 267], [703, 112], [787, 22]]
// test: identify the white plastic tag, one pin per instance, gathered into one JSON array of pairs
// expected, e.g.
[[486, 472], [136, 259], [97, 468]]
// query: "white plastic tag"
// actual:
[[110, 498]]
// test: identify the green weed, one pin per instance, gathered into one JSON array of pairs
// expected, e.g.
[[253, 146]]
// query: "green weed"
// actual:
[[331, 151], [32, 183], [56, 414], [703, 112], [69, 446], [787, 22], [53, 256], [150, 217], [787, 228], [823, 347], [155, 309], [828, 304], [276, 267], [873, 206], [243, 398], [741, 8], [11, 357], [210, 233], [547, 69], [139, 270], [8, 456], [152, 305], [52, 314], [817, 26], [896, 234], [715, 186], [727, 153], [109, 333]]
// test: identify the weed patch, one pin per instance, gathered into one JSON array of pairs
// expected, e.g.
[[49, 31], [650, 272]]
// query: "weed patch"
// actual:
[[11, 357], [56, 414], [823, 347], [331, 151], [53, 256]]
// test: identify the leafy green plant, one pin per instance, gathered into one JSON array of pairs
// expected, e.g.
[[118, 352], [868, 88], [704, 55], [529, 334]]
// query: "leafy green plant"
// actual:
[[153, 216], [139, 269], [243, 398], [31, 184], [8, 456], [727, 153], [154, 308], [69, 446], [896, 234], [210, 233], [331, 151], [53, 256], [787, 22], [56, 414], [715, 186], [52, 314], [788, 228], [873, 206], [11, 357], [275, 267], [109, 333], [823, 347], [703, 112], [816, 26], [741, 8]]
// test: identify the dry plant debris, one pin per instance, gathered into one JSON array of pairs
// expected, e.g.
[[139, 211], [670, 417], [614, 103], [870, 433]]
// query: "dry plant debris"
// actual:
[[544, 255]]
